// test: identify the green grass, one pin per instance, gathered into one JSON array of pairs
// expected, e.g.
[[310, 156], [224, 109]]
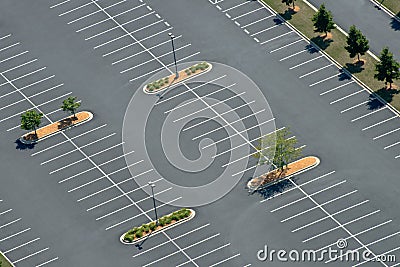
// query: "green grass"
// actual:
[[4, 262], [393, 5], [335, 47]]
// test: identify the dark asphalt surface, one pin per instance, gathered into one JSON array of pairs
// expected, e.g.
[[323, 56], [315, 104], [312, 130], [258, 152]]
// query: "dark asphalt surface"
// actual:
[[354, 166], [380, 28]]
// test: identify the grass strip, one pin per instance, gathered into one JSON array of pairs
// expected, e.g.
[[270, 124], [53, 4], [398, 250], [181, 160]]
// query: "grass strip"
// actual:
[[334, 47], [4, 262], [393, 5]]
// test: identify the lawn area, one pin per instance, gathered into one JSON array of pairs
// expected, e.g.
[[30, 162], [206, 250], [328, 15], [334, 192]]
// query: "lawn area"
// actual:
[[393, 5], [4, 262], [335, 47]]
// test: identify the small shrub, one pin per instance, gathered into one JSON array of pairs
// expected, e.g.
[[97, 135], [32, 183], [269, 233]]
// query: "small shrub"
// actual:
[[168, 220], [152, 226], [145, 228], [161, 222], [175, 217], [139, 234], [128, 238], [166, 80]]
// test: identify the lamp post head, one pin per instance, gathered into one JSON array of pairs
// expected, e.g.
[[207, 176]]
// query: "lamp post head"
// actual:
[[152, 184], [171, 35]]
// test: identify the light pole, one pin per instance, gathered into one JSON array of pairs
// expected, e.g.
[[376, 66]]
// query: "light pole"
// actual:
[[173, 50], [152, 185]]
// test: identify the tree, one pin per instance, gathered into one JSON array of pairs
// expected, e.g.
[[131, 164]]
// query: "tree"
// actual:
[[289, 2], [71, 105], [323, 20], [279, 147], [388, 68], [357, 43], [30, 120]]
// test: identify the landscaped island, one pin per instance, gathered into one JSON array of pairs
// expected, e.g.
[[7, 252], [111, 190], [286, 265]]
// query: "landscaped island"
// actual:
[[185, 74], [277, 175], [139, 233], [55, 127]]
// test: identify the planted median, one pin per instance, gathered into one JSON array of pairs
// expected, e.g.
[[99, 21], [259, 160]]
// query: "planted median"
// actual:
[[171, 80], [139, 233]]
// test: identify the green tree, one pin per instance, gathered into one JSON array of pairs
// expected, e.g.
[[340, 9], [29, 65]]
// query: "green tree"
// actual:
[[279, 147], [289, 2], [71, 105], [30, 120], [357, 43], [388, 68], [323, 20]]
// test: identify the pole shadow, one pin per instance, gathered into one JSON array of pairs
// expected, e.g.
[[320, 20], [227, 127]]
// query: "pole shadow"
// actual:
[[22, 146]]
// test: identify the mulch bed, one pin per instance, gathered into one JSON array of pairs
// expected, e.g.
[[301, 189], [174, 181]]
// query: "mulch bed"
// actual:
[[57, 126]]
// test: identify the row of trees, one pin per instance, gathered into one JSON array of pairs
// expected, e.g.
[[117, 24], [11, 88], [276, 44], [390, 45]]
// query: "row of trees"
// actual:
[[31, 119], [387, 70]]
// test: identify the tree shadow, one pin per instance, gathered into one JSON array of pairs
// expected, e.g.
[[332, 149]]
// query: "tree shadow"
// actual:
[[288, 14], [343, 76], [322, 42], [356, 67], [386, 94], [272, 190], [311, 49], [395, 23], [22, 146]]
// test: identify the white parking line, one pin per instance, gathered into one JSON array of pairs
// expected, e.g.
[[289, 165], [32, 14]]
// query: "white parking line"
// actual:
[[137, 42], [24, 75], [254, 22], [123, 24], [314, 71], [305, 197], [20, 65], [385, 134], [114, 185], [30, 255], [238, 5], [224, 126], [76, 8], [65, 141], [22, 245], [315, 207], [225, 260], [197, 99], [266, 29], [337, 87], [11, 236], [326, 217], [144, 51], [295, 54], [9, 223], [237, 133], [29, 85], [117, 197], [347, 96], [151, 60], [245, 14], [166, 242], [101, 21], [194, 88], [392, 145], [337, 227], [325, 79], [305, 62], [205, 108], [379, 123], [4, 37], [158, 69], [212, 118], [6, 211], [131, 204], [47, 262], [287, 45], [14, 56], [355, 106], [59, 4], [75, 149], [359, 233], [368, 114], [10, 46], [277, 37], [171, 254], [142, 213], [128, 34], [209, 252]]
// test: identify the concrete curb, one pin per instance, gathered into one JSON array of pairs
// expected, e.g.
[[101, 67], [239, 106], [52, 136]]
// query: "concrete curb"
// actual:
[[317, 162], [362, 84], [179, 83], [121, 238], [2, 254], [27, 142], [386, 10]]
